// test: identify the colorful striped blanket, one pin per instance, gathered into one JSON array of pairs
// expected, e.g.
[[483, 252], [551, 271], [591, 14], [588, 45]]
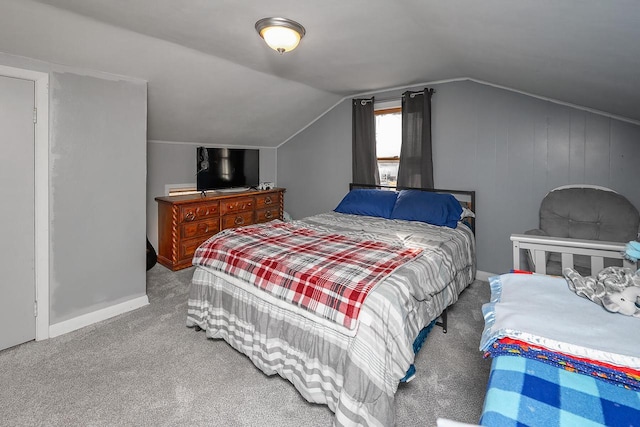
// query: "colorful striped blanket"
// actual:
[[627, 377], [325, 273]]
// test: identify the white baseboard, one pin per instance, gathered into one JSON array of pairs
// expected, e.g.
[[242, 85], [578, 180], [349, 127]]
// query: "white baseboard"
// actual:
[[96, 316], [484, 275]]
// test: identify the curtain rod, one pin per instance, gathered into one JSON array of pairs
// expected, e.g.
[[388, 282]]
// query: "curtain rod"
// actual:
[[413, 94]]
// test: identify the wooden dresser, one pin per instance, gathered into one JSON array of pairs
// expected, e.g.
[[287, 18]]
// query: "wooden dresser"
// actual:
[[185, 222]]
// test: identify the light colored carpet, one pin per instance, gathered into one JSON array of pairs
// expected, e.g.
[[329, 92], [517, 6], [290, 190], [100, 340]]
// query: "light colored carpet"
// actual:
[[146, 368]]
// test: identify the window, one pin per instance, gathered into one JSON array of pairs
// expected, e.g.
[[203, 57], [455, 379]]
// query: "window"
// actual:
[[388, 142]]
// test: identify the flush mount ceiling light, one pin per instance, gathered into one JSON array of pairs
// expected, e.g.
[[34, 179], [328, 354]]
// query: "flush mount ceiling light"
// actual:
[[281, 34]]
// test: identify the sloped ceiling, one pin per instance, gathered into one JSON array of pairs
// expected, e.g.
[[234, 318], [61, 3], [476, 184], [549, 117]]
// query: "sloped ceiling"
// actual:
[[213, 80]]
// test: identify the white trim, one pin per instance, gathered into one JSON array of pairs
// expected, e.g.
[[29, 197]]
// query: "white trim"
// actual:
[[597, 250], [391, 89], [595, 187], [62, 68], [556, 101], [460, 79], [484, 275], [97, 316], [41, 193], [312, 122], [275, 175], [384, 105], [483, 82], [202, 144], [169, 187]]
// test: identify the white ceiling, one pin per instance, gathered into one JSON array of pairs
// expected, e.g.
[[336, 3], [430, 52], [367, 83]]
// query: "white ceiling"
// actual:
[[213, 80]]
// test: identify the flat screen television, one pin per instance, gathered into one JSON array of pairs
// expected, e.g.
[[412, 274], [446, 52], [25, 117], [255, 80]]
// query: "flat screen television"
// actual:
[[223, 168]]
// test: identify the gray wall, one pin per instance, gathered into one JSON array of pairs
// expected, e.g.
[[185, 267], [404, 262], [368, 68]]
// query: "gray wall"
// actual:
[[98, 172], [315, 166], [97, 167], [508, 147], [175, 163]]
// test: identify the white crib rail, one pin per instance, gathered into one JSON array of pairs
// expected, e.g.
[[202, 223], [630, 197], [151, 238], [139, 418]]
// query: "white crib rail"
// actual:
[[540, 245]]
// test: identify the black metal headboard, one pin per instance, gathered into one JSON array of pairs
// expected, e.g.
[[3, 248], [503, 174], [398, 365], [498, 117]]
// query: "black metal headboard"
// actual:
[[467, 198]]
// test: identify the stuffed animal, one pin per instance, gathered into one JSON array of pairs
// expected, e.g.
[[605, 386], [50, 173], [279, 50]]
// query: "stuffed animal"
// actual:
[[625, 302], [617, 289]]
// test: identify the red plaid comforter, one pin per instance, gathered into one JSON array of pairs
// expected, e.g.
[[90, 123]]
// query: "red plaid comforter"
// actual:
[[328, 274]]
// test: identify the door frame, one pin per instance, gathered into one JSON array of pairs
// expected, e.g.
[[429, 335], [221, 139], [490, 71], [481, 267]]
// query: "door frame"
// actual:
[[41, 203]]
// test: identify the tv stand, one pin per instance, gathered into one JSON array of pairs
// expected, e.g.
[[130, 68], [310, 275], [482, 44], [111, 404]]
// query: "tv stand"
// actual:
[[185, 222]]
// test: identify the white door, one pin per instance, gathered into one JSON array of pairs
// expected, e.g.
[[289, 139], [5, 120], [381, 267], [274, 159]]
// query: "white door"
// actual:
[[17, 222]]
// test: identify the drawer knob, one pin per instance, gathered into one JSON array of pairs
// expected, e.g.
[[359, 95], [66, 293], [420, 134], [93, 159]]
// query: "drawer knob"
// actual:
[[189, 216], [239, 220], [268, 215], [267, 200], [204, 228]]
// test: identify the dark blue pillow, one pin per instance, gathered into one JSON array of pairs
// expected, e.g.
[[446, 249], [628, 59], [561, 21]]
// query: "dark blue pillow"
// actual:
[[368, 202], [429, 207]]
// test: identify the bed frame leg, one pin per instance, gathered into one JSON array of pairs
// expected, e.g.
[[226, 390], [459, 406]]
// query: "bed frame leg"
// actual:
[[443, 322], [197, 328]]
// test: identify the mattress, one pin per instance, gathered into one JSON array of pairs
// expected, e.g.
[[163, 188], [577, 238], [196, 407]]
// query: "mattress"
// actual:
[[355, 373]]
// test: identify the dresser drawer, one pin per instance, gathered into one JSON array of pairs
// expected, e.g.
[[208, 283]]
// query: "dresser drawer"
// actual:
[[266, 215], [186, 248], [238, 220], [199, 228], [195, 212], [236, 205], [267, 200], [185, 222]]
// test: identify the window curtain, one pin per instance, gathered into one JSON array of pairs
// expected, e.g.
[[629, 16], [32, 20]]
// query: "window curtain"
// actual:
[[364, 159], [416, 161]]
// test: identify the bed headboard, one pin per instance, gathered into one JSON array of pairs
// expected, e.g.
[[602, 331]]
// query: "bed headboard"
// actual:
[[467, 198]]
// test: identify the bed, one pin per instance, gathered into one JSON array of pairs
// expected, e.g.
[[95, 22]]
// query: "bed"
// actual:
[[353, 364], [559, 359]]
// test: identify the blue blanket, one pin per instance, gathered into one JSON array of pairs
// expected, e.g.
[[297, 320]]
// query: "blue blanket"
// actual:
[[526, 392]]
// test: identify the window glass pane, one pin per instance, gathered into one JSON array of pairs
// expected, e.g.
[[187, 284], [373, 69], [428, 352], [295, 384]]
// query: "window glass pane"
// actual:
[[388, 134], [388, 172], [388, 141]]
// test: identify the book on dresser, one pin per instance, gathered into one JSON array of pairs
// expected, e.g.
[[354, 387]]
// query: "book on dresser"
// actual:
[[185, 222]]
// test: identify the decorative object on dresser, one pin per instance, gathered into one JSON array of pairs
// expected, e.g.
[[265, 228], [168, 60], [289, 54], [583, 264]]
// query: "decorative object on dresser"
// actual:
[[185, 222]]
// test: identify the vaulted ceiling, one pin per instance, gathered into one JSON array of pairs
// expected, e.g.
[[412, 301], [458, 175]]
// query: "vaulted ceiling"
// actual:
[[211, 79]]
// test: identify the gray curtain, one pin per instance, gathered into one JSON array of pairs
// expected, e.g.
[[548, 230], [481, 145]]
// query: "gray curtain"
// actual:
[[416, 162], [364, 159]]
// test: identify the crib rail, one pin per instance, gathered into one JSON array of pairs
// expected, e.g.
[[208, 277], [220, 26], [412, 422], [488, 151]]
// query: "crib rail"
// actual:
[[541, 245]]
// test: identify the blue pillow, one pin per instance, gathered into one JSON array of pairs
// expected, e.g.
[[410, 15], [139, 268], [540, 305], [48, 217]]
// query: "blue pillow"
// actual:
[[429, 207], [368, 202]]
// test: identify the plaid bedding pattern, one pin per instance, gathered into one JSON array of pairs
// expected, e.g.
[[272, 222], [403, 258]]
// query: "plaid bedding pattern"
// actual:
[[626, 377], [525, 392], [355, 373], [328, 274]]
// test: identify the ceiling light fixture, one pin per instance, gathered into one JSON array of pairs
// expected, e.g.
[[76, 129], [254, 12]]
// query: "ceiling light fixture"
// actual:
[[281, 34]]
